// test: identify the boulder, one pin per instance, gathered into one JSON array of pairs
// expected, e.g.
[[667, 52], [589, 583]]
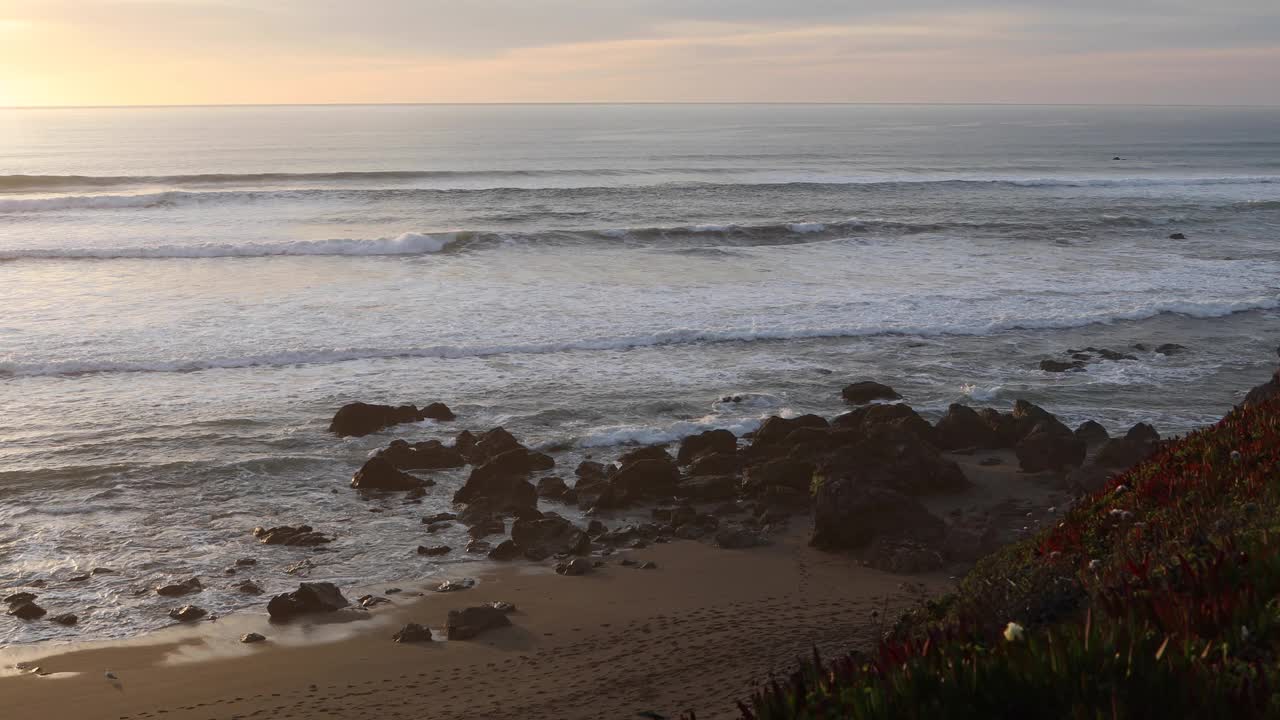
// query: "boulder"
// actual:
[[962, 427], [552, 532], [20, 597], [489, 445], [412, 633], [576, 566], [501, 480], [434, 550], [465, 443], [775, 430], [714, 463], [65, 619], [469, 622], [711, 441], [186, 587], [1137, 445], [379, 474], [646, 477], [252, 637], [796, 474], [359, 419], [1059, 366], [426, 455], [867, 391], [249, 587], [437, 411], [899, 415], [591, 471], [300, 536], [849, 512], [1177, 236], [188, 613], [540, 461], [26, 610], [552, 487], [1092, 433], [505, 550], [319, 597], [1049, 446], [648, 452], [708, 488]]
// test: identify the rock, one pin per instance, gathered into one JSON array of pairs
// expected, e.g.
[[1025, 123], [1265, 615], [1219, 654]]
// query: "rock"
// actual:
[[892, 457], [246, 562], [379, 474], [26, 610], [1049, 446], [1114, 356], [437, 411], [708, 487], [489, 445], [868, 391], [439, 518], [738, 538], [903, 556], [963, 427], [469, 622], [795, 474], [67, 619], [1177, 236], [646, 477], [849, 512], [1170, 349], [249, 587], [319, 597], [539, 462], [648, 452], [485, 528], [434, 528], [1137, 445], [650, 565], [465, 443], [1058, 366], [712, 441], [456, 585], [426, 455], [252, 637], [505, 550], [188, 613], [552, 487], [1264, 393], [302, 536], [865, 419], [186, 587], [552, 532], [19, 598], [576, 566], [590, 471], [479, 547], [714, 463], [412, 633], [536, 554], [359, 419], [102, 571], [503, 607], [1092, 433], [434, 550], [501, 481], [774, 430]]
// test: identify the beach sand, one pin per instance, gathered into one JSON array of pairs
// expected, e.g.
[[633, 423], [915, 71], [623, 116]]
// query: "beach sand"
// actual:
[[695, 633]]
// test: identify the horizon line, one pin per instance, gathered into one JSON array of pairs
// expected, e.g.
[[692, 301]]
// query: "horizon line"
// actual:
[[161, 106]]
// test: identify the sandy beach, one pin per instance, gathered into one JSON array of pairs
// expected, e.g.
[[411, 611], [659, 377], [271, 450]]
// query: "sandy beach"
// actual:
[[695, 633]]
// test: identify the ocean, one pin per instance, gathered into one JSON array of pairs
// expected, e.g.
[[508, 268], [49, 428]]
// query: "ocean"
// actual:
[[188, 295]]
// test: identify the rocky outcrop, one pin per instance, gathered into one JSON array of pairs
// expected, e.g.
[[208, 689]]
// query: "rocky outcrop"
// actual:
[[469, 622], [774, 431], [437, 411], [1137, 445], [359, 419], [1265, 392], [646, 476], [897, 415], [412, 633], [850, 510], [487, 445], [426, 455], [710, 442], [379, 474], [501, 482], [186, 587], [320, 597], [867, 391], [299, 536], [1092, 433], [253, 637], [552, 533], [26, 610], [962, 427], [552, 487], [1049, 446], [891, 457]]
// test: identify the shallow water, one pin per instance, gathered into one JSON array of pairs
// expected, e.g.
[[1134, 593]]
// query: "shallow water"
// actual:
[[189, 294]]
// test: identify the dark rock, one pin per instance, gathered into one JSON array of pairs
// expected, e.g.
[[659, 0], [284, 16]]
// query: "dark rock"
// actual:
[[963, 427], [438, 518], [426, 455], [540, 461], [320, 597], [708, 487], [1170, 349], [648, 452], [1092, 433], [503, 607], [491, 444], [26, 610], [185, 587], [576, 566], [1057, 366], [67, 619], [188, 613], [252, 637], [894, 458], [899, 415], [849, 512], [434, 550], [412, 633], [712, 441], [591, 471], [1177, 236], [552, 487], [456, 585], [738, 538], [796, 474], [359, 419], [19, 598], [868, 391], [1137, 445], [437, 411], [1049, 446], [646, 477], [469, 622], [379, 474], [775, 429], [501, 481], [536, 554], [552, 532], [479, 547], [246, 562], [465, 443], [595, 527], [714, 463], [1264, 393], [302, 535], [903, 556], [249, 587], [492, 526], [990, 462], [505, 550]]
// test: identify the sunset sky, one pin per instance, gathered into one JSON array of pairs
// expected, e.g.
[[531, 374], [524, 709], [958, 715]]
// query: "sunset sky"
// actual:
[[130, 52]]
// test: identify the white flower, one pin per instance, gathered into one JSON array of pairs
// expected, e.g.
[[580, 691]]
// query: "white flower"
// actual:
[[1244, 633], [1013, 632], [1120, 489], [1094, 565]]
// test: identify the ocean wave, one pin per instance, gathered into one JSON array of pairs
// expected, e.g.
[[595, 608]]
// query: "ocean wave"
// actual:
[[675, 336], [403, 244], [615, 435]]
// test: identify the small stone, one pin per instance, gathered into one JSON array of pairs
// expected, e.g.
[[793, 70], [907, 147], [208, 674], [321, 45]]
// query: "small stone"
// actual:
[[249, 587], [67, 619], [577, 566], [102, 571], [434, 550], [245, 562], [183, 588], [252, 638], [21, 597], [188, 613], [501, 606], [27, 611], [456, 585], [650, 565], [412, 633]]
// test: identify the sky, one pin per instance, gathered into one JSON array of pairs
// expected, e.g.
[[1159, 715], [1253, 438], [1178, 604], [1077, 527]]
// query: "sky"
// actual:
[[154, 52]]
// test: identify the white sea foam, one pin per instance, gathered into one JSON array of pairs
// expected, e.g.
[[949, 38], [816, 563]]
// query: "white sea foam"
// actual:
[[981, 394], [404, 244], [645, 435], [807, 227]]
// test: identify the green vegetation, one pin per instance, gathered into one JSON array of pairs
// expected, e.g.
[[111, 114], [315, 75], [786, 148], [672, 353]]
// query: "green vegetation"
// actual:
[[1159, 596]]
